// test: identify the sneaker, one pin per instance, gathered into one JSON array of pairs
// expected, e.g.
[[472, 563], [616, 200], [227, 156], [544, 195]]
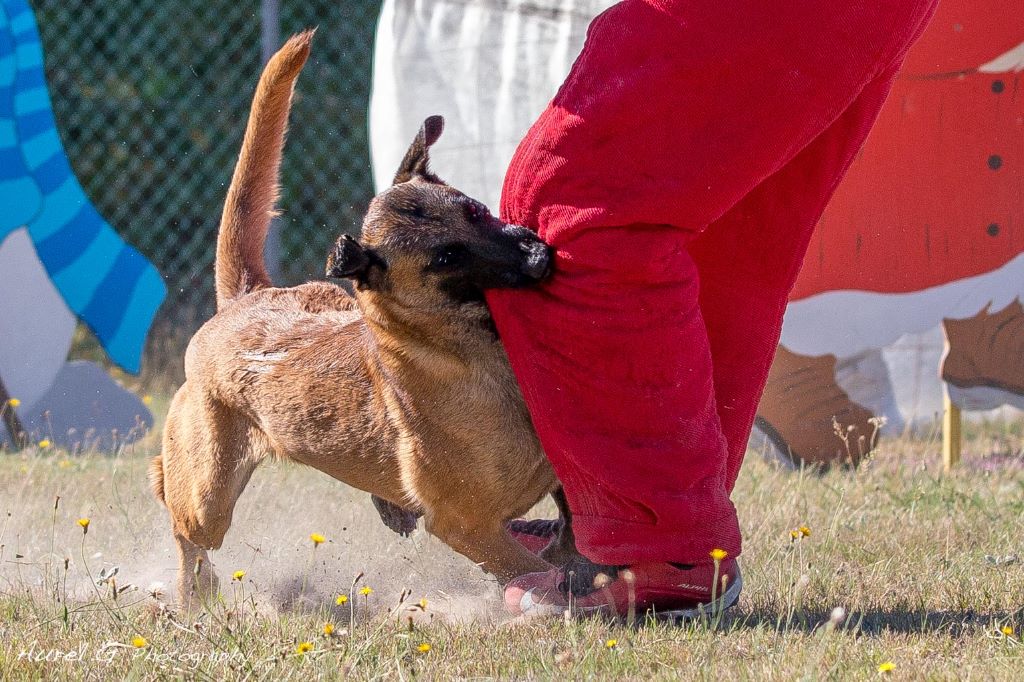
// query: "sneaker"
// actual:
[[669, 591], [535, 534]]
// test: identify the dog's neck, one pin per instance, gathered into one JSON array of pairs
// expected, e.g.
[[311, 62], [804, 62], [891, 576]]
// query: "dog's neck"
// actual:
[[439, 340], [448, 375]]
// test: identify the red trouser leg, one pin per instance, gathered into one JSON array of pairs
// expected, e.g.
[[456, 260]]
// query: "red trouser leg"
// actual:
[[691, 141], [733, 305]]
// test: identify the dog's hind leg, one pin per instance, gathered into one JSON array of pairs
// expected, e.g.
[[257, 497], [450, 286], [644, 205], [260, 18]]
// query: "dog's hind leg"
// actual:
[[485, 542], [203, 523], [196, 578], [208, 457]]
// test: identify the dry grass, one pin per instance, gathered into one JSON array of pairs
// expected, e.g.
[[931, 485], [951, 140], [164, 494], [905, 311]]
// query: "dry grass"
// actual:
[[923, 566]]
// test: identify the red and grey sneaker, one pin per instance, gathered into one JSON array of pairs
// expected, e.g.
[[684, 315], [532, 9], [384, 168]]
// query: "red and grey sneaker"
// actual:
[[535, 534], [670, 591]]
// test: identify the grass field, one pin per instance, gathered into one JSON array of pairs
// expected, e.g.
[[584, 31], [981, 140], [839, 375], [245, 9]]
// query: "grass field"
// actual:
[[904, 568]]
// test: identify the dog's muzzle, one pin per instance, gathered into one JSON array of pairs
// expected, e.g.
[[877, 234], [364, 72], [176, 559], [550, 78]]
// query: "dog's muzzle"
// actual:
[[536, 259], [539, 259]]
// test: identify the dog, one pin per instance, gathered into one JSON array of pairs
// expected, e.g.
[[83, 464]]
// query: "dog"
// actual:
[[402, 390]]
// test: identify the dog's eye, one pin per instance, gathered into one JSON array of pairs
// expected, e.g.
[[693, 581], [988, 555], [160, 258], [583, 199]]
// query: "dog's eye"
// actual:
[[418, 212], [449, 255]]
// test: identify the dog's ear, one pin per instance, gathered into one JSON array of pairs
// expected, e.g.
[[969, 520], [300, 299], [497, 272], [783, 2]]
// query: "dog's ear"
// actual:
[[350, 260], [417, 160]]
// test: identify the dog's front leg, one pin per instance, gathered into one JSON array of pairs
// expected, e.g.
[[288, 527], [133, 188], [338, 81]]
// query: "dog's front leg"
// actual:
[[486, 543], [562, 549], [400, 520]]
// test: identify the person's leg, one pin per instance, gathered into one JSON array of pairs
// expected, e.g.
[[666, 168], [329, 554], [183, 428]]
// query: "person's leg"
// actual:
[[748, 290], [697, 386], [764, 238], [673, 113], [628, 402]]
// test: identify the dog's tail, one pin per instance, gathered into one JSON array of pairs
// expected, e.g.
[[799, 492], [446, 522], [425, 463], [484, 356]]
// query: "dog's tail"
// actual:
[[250, 201], [156, 477]]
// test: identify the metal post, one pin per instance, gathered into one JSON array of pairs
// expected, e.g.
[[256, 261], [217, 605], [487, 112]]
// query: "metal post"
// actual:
[[10, 419], [951, 433], [270, 40], [270, 28]]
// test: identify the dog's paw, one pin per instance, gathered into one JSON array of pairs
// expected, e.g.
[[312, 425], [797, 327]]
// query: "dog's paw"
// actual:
[[400, 520], [582, 576]]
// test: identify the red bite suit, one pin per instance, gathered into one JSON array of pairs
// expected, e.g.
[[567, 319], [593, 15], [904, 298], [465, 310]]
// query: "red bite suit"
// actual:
[[679, 173]]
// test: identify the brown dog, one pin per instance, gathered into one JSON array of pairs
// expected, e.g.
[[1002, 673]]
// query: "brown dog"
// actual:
[[403, 391]]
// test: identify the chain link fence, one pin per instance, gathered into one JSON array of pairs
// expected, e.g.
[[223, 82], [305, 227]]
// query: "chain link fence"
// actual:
[[151, 99]]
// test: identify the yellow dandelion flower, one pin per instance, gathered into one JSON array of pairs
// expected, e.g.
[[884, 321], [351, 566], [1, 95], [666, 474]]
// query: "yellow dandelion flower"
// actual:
[[316, 538], [794, 535], [238, 575], [147, 400], [341, 599], [366, 591], [328, 629], [611, 643], [14, 402], [45, 443], [423, 648], [139, 642], [304, 647], [84, 523], [718, 554], [805, 531], [887, 667], [423, 604], [64, 463], [1007, 630]]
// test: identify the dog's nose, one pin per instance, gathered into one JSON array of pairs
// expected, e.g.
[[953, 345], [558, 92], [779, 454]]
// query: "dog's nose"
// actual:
[[539, 259]]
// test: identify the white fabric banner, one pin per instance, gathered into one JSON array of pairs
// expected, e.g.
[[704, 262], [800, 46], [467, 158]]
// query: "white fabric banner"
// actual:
[[488, 66]]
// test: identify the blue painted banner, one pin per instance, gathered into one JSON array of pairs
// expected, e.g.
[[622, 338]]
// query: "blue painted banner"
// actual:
[[107, 283]]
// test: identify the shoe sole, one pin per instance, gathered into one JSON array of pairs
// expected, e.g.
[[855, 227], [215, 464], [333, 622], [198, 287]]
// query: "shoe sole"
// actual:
[[728, 599]]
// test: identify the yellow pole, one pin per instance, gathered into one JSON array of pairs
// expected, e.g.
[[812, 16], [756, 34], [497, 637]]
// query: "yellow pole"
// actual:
[[951, 433]]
